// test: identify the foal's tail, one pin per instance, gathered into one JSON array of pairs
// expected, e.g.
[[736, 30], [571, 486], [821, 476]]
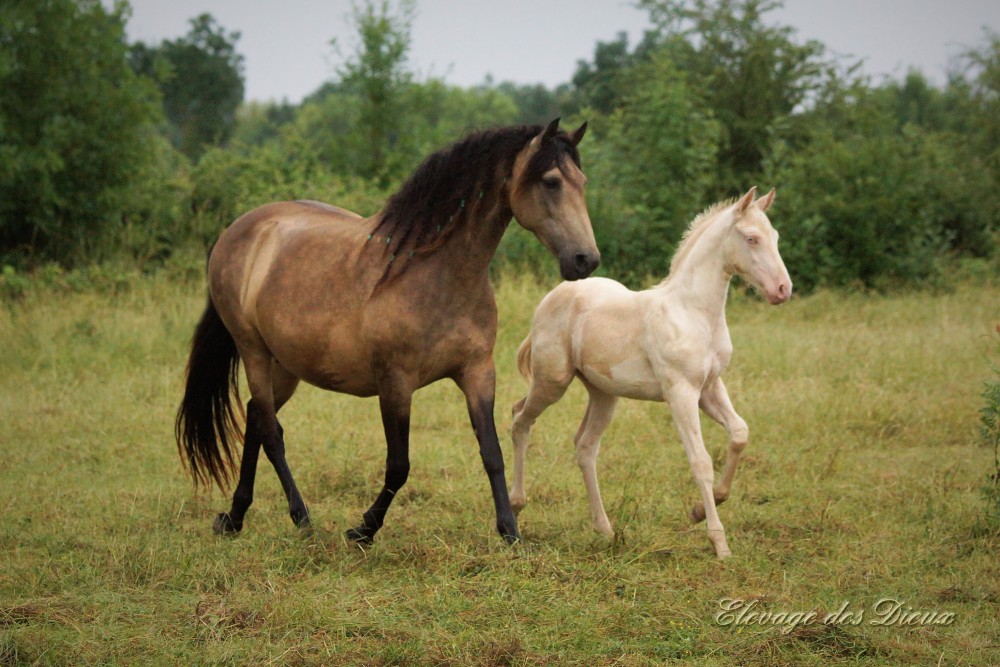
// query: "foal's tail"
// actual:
[[207, 425], [524, 358]]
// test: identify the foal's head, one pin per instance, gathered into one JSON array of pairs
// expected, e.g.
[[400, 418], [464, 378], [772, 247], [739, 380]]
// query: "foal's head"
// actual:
[[547, 197], [751, 248]]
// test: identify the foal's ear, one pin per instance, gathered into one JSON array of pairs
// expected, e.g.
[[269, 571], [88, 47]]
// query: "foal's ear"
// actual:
[[744, 203], [578, 134], [764, 202], [550, 131]]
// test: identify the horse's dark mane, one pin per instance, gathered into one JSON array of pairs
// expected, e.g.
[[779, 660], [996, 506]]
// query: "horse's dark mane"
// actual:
[[457, 184]]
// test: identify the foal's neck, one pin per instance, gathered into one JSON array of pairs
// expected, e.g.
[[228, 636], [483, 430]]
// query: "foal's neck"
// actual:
[[700, 281]]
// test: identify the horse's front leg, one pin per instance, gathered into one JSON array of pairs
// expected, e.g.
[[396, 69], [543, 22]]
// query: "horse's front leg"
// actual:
[[683, 401], [716, 404], [478, 383], [395, 397]]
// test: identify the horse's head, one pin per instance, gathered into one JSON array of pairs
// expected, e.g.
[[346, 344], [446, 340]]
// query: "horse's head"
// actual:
[[752, 248], [547, 197]]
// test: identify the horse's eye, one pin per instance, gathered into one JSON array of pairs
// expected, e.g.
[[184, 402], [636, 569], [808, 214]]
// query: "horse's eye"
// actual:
[[552, 183], [752, 240]]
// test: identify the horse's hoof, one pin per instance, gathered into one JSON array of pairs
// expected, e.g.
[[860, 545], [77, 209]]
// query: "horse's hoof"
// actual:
[[302, 521], [224, 525], [360, 536], [509, 534]]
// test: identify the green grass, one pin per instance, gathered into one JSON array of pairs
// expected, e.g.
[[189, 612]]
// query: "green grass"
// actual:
[[861, 482]]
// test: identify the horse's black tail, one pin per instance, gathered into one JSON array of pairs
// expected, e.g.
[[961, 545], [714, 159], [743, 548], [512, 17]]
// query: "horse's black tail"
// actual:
[[207, 425]]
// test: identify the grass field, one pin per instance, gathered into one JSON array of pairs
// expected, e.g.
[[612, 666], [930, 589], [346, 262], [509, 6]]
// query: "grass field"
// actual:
[[861, 484]]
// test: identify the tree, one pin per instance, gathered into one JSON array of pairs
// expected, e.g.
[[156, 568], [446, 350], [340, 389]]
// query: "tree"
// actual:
[[653, 169], [201, 78], [752, 75], [76, 125], [377, 74]]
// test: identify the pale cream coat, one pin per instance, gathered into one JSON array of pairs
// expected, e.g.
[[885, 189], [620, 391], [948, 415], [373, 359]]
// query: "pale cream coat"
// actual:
[[669, 343]]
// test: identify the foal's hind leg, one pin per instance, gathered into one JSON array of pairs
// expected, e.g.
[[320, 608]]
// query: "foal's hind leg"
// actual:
[[600, 411], [716, 404], [542, 393]]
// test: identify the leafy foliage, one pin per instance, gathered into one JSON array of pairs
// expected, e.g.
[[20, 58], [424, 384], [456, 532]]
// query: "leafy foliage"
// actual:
[[653, 168], [752, 75], [201, 78], [77, 130]]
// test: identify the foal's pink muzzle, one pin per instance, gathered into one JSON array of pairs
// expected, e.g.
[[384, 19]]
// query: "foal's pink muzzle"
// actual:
[[779, 293]]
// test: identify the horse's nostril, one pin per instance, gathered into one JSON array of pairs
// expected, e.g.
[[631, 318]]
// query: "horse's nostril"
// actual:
[[586, 262]]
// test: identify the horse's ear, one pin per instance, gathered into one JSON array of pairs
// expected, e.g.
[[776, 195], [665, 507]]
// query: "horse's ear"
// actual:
[[550, 131], [744, 203], [764, 202], [578, 134]]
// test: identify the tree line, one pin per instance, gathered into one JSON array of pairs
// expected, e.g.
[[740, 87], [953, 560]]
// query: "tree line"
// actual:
[[110, 149]]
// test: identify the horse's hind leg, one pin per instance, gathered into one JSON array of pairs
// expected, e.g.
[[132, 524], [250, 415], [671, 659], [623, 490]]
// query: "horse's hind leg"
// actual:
[[716, 404], [270, 387], [395, 397], [600, 411]]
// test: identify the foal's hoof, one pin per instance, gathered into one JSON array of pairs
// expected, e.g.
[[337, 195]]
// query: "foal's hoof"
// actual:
[[362, 536], [224, 525]]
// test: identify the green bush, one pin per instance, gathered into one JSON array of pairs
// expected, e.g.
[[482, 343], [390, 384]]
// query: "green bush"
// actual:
[[228, 182], [876, 209], [653, 163], [76, 126]]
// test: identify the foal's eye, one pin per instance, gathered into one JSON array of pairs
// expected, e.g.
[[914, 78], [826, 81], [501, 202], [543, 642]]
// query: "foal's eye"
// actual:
[[551, 183], [752, 240]]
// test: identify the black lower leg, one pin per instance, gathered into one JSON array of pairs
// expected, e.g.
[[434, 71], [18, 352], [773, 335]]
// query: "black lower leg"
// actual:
[[396, 422], [274, 449], [232, 521], [489, 451], [372, 520]]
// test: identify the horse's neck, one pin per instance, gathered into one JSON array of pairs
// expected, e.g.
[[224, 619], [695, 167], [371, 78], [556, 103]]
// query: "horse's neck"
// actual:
[[700, 281], [467, 253]]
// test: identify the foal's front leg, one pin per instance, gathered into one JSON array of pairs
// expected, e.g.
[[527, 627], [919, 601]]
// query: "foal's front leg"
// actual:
[[716, 404], [683, 400]]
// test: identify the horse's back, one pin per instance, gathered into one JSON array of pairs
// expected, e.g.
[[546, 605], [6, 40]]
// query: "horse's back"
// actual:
[[289, 276], [282, 239]]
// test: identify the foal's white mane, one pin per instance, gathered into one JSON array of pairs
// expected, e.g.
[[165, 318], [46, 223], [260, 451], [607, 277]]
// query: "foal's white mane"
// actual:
[[695, 230]]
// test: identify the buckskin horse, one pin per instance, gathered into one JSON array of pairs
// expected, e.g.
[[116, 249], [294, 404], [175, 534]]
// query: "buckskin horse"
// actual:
[[377, 306]]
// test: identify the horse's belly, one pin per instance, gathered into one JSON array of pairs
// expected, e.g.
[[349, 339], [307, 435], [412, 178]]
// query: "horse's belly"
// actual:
[[337, 364], [630, 378]]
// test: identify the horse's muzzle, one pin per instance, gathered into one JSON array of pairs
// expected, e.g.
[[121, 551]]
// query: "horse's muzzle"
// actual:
[[578, 265]]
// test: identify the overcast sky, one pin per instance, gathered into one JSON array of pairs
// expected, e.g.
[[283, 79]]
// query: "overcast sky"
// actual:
[[287, 49]]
